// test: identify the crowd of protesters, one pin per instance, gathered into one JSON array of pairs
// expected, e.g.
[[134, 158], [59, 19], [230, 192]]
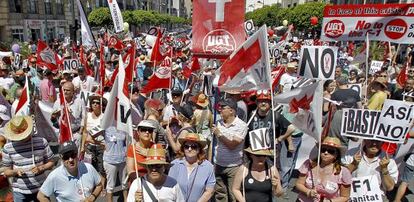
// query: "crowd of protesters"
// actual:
[[190, 142]]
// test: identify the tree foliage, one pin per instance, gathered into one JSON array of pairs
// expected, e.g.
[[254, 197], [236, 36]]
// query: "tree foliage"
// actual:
[[299, 15], [102, 16]]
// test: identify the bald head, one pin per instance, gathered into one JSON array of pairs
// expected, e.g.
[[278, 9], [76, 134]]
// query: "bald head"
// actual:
[[68, 90]]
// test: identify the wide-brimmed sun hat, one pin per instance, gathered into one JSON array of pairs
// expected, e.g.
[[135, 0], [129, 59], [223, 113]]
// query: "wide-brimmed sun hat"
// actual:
[[18, 128], [261, 152], [193, 137], [155, 155], [202, 100]]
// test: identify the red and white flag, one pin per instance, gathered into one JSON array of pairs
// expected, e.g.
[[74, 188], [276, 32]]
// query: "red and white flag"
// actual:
[[86, 33], [156, 54], [248, 67], [22, 108], [195, 66], [118, 110], [84, 61], [276, 75], [65, 130], [46, 57], [161, 77], [402, 76]]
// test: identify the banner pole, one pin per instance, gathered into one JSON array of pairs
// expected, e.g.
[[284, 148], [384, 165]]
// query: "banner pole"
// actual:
[[366, 69]]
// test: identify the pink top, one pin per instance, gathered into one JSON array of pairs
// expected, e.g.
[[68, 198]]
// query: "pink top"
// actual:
[[46, 89], [330, 188]]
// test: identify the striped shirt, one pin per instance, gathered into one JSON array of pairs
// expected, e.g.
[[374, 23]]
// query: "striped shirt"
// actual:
[[18, 155], [231, 157]]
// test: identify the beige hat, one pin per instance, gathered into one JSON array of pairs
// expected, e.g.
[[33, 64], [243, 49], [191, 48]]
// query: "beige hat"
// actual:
[[18, 128], [155, 155], [194, 137], [202, 100], [262, 152], [334, 142]]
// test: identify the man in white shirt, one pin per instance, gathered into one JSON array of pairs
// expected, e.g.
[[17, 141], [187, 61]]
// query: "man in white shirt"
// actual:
[[83, 82], [289, 77]]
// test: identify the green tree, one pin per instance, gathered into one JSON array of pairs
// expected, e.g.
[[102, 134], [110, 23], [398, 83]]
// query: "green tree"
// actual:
[[100, 17]]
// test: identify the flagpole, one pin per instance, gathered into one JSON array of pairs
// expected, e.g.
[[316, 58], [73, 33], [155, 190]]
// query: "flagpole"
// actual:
[[366, 68]]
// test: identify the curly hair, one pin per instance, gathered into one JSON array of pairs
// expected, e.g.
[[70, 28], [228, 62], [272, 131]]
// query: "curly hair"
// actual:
[[201, 156]]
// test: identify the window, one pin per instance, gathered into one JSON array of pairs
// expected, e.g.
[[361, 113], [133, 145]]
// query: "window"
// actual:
[[48, 7], [15, 6], [17, 34], [101, 3], [59, 7], [32, 6]]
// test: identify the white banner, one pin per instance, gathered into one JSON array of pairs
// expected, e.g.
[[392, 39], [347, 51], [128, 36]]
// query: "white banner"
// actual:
[[395, 121], [259, 139], [375, 66], [365, 189], [382, 22], [70, 64], [116, 16], [360, 123], [318, 62], [16, 62]]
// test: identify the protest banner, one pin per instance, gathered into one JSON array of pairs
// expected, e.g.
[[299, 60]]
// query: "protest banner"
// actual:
[[359, 123], [259, 139], [318, 62], [356, 87], [25, 63], [375, 66], [382, 22], [274, 52], [365, 189], [218, 27], [116, 14], [84, 95], [70, 64], [16, 62], [305, 121], [395, 121]]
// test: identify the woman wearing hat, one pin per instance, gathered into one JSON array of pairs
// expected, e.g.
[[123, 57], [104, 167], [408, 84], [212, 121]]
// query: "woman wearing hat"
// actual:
[[258, 180], [203, 117], [155, 185], [184, 117], [329, 181], [378, 92], [193, 172]]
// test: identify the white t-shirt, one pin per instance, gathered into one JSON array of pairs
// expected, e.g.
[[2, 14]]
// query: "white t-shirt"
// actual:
[[287, 80], [6, 83], [170, 191], [85, 85]]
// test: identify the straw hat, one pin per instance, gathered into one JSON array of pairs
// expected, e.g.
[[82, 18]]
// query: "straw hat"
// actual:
[[262, 152], [18, 128], [142, 58], [202, 100], [334, 142], [155, 155], [194, 137]]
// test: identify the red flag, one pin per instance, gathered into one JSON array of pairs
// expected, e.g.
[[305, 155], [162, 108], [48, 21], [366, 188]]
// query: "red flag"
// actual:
[[161, 77], [276, 75], [102, 66], [83, 60], [65, 132], [46, 57], [22, 108], [195, 66], [156, 50], [402, 76], [116, 43], [129, 61]]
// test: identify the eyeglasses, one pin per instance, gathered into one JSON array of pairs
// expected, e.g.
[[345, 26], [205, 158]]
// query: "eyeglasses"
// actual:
[[192, 146], [68, 155], [329, 150], [144, 129]]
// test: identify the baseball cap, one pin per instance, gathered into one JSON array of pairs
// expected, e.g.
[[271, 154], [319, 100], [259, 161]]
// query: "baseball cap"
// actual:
[[146, 123], [68, 147], [228, 102]]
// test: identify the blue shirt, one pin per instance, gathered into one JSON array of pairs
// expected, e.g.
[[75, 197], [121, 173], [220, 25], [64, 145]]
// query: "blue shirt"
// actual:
[[201, 177], [115, 146], [66, 187]]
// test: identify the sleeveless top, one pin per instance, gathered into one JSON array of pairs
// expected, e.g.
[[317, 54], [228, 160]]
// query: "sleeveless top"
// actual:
[[257, 190]]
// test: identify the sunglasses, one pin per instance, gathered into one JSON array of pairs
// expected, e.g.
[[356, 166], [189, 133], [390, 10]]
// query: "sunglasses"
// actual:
[[68, 155], [155, 166], [149, 130], [192, 146], [329, 150], [96, 102]]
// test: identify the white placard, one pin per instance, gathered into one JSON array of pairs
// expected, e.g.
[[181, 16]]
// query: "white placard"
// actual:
[[16, 62], [259, 139], [249, 26], [365, 189], [359, 123], [375, 66], [84, 95], [394, 123], [70, 64], [318, 62]]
